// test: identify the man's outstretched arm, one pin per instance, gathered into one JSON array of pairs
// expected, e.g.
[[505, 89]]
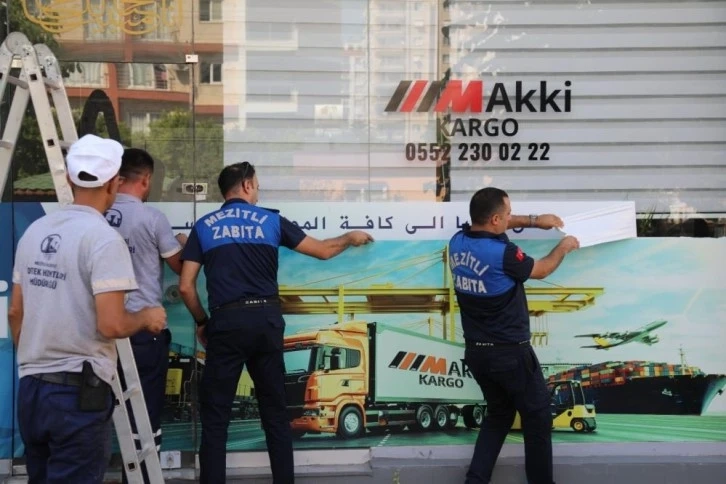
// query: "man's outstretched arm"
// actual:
[[546, 221]]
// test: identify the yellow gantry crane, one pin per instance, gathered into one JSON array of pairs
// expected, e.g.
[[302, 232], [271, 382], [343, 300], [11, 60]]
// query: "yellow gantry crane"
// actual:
[[352, 298]]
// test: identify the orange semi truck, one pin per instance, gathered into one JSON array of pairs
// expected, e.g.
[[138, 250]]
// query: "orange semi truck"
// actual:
[[354, 376]]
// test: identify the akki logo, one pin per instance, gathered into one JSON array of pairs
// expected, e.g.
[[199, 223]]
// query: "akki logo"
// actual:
[[410, 361], [453, 95]]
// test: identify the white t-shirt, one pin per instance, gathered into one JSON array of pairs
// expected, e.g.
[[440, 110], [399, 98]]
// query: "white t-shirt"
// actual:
[[150, 238], [63, 260]]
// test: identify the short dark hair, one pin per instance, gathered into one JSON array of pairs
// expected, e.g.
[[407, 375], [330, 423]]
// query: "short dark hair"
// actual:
[[485, 203], [234, 175], [135, 163]]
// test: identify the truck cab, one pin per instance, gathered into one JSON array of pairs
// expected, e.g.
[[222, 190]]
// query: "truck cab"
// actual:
[[326, 378]]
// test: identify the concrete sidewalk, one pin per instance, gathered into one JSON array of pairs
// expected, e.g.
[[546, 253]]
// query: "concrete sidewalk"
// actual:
[[631, 463]]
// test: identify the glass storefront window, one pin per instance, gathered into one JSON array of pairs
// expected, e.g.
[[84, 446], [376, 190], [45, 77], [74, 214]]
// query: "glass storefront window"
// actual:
[[393, 101]]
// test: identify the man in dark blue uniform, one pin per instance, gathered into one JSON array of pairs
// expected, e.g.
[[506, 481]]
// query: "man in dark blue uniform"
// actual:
[[238, 247], [489, 273]]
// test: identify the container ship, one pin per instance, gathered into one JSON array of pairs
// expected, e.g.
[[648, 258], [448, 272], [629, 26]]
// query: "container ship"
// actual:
[[645, 387]]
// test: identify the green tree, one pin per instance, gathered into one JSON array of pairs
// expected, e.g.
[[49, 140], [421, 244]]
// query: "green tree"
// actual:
[[29, 156], [188, 155]]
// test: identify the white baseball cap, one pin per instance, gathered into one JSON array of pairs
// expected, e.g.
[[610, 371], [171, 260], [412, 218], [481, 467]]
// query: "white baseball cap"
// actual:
[[98, 157]]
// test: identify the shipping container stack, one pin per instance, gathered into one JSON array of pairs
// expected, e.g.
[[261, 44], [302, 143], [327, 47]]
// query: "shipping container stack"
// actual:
[[618, 372]]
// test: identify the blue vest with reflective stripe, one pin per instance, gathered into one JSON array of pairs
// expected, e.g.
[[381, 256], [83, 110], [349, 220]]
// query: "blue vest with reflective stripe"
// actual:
[[477, 266], [492, 304], [240, 244], [238, 224]]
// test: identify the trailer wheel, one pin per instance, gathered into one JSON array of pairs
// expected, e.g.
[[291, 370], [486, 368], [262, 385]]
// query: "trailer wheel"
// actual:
[[473, 416], [350, 423], [424, 418], [441, 417], [453, 418]]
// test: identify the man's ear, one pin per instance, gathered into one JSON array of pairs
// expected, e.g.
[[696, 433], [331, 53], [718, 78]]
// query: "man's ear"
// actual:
[[110, 186]]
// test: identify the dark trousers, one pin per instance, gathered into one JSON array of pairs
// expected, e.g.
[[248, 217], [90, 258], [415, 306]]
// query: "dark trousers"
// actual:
[[151, 354], [511, 380], [62, 443], [236, 337]]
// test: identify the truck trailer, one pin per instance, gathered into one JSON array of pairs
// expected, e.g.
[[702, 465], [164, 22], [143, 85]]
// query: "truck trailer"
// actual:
[[346, 378]]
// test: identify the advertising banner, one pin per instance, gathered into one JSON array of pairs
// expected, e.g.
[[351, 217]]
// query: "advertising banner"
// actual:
[[628, 327]]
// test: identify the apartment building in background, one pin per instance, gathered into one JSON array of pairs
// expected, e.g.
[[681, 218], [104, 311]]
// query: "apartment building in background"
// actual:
[[138, 53]]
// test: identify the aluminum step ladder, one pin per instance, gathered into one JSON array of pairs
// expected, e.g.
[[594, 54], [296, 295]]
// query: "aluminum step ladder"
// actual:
[[39, 75]]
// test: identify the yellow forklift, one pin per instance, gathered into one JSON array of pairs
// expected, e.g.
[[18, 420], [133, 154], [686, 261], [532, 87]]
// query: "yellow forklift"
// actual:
[[569, 409]]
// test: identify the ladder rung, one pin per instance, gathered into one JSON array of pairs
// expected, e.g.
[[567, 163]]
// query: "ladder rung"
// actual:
[[132, 392], [17, 82], [144, 454], [23, 84], [6, 144]]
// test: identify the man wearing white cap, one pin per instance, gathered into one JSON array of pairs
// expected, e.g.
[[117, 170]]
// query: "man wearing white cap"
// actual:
[[71, 274]]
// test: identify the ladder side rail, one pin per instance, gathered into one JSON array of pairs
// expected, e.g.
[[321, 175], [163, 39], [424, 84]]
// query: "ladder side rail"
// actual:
[[122, 424], [46, 123], [58, 93], [6, 62], [148, 452], [11, 131]]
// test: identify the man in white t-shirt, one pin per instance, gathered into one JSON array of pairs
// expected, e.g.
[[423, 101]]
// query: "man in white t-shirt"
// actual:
[[71, 274], [151, 241]]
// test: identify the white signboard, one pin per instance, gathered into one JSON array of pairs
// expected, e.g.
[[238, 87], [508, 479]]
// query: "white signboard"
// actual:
[[592, 222], [412, 367]]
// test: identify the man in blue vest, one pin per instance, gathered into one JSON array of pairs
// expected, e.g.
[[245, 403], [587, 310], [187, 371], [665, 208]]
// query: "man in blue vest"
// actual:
[[238, 247], [489, 273]]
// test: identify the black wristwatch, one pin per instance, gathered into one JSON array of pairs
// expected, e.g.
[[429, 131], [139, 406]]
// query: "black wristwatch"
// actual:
[[533, 220], [202, 322]]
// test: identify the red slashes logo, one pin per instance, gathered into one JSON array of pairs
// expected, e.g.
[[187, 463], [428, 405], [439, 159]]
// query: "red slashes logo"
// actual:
[[519, 255]]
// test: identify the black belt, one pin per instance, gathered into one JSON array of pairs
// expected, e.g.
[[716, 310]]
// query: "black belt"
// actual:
[[250, 302], [61, 378], [485, 344]]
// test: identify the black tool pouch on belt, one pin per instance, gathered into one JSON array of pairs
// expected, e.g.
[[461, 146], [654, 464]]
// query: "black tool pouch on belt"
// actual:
[[94, 394]]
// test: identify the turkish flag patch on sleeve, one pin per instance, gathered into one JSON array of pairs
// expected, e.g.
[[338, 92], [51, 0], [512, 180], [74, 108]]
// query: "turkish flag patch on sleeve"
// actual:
[[519, 255]]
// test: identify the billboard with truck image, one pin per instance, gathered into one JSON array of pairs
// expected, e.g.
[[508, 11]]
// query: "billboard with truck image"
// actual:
[[351, 377], [671, 389]]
